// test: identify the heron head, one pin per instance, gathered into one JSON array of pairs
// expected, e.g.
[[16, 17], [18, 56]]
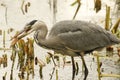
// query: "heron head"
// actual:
[[29, 28]]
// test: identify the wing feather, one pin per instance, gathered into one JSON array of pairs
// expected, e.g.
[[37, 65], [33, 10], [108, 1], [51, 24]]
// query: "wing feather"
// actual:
[[81, 36]]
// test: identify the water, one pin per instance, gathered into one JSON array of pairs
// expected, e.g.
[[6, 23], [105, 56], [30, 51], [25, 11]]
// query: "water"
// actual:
[[40, 9]]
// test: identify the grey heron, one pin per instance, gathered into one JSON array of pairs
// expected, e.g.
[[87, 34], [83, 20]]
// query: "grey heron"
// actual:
[[70, 37]]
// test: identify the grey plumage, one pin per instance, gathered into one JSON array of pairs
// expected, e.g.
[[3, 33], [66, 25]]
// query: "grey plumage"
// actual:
[[70, 37], [82, 36]]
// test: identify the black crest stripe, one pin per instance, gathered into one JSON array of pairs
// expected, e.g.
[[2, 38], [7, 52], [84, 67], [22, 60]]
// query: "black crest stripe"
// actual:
[[32, 22]]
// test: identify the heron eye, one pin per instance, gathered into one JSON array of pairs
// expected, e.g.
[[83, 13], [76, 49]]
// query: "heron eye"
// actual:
[[27, 28]]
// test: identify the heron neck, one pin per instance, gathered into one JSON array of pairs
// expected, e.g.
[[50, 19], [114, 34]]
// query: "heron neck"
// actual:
[[40, 35]]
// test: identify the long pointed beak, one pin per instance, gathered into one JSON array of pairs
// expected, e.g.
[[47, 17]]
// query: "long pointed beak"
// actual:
[[16, 35], [20, 35], [25, 33]]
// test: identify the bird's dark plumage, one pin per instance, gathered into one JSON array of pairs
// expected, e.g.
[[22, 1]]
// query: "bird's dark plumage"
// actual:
[[32, 22]]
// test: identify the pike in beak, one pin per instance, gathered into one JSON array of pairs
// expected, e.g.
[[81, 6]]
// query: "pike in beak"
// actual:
[[27, 30]]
